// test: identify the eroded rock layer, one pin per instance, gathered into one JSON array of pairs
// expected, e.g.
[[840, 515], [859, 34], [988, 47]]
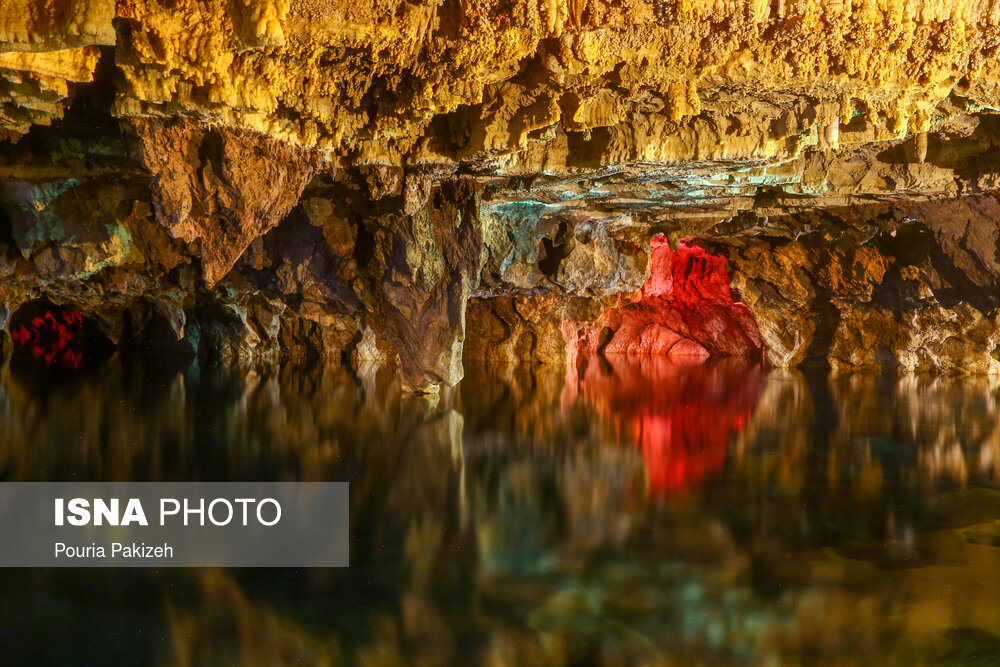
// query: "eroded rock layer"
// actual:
[[418, 182]]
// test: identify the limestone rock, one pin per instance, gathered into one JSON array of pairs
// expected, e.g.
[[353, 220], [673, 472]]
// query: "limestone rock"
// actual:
[[910, 286], [416, 279], [33, 26], [35, 85], [220, 188], [513, 328]]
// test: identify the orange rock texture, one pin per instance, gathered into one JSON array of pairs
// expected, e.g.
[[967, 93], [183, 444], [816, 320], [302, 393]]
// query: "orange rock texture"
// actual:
[[418, 181]]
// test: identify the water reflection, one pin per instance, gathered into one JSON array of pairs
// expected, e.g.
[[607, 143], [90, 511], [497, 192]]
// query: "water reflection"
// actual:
[[683, 415], [50, 340], [619, 513]]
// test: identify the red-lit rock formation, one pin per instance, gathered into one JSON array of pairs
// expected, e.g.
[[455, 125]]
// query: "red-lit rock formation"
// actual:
[[685, 309]]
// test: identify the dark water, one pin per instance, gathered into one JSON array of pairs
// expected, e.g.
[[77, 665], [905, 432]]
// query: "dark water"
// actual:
[[630, 514]]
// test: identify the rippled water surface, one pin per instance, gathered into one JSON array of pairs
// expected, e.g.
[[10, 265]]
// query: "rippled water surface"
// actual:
[[625, 514]]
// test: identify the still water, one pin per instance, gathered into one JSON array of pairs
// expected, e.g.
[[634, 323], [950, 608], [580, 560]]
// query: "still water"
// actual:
[[624, 514]]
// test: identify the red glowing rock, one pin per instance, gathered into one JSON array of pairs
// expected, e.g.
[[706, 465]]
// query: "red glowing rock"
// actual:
[[22, 336], [681, 413], [685, 309]]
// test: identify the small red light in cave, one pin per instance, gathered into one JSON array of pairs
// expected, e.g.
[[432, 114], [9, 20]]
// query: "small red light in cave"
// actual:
[[52, 337]]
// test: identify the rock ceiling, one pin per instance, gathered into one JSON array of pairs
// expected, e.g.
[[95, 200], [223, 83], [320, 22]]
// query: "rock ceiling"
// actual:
[[349, 177]]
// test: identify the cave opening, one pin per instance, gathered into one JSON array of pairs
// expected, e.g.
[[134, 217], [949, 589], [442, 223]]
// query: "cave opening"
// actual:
[[49, 338], [88, 114]]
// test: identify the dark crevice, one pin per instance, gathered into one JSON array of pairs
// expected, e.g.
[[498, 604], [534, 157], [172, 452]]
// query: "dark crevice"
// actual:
[[210, 152], [155, 343], [364, 245], [554, 252], [961, 288], [6, 231], [827, 317], [88, 114]]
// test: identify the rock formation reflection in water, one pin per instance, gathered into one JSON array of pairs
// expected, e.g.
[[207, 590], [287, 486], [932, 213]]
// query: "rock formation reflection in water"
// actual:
[[620, 513]]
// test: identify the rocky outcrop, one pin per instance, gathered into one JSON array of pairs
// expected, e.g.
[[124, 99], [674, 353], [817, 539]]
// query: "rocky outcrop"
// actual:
[[907, 286], [683, 310], [220, 189], [417, 272]]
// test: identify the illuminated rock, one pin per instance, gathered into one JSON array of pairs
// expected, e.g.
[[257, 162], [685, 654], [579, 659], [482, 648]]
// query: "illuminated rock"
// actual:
[[280, 179]]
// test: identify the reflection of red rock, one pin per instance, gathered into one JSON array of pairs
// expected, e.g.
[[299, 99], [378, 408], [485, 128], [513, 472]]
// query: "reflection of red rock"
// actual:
[[685, 309], [682, 415], [51, 337]]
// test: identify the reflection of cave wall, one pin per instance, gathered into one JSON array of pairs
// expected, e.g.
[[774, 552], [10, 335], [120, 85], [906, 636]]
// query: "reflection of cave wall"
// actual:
[[680, 413], [534, 480]]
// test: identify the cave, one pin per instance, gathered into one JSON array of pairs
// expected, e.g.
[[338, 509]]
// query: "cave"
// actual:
[[643, 332], [820, 238]]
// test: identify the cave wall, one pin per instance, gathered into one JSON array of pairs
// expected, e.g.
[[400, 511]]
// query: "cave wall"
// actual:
[[906, 286], [421, 182]]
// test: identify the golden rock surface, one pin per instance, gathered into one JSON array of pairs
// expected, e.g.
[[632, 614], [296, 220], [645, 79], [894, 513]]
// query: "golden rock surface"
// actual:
[[351, 180]]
